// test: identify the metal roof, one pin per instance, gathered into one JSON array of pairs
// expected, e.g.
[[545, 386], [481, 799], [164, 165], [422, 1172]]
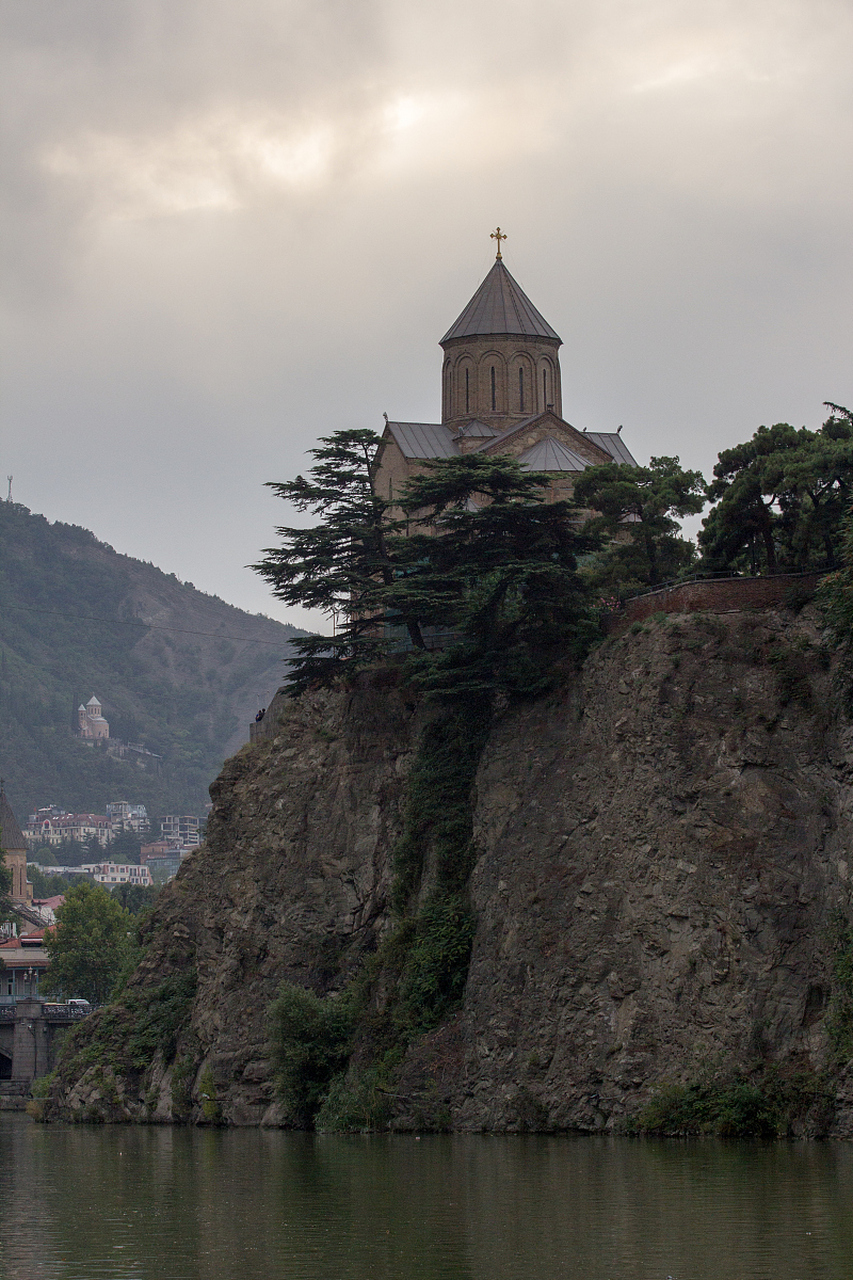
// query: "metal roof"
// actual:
[[611, 442], [476, 429], [500, 306], [424, 439], [550, 455]]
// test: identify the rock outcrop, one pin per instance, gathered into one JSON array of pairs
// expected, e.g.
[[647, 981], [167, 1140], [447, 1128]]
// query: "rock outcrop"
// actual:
[[661, 849]]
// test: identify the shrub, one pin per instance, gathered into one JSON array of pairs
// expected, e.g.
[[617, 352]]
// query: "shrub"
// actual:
[[309, 1040]]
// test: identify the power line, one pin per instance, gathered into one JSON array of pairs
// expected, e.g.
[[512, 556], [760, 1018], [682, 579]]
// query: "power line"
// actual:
[[139, 622]]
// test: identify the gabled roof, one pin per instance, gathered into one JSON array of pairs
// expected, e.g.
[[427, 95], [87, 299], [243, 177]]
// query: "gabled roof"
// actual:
[[424, 439], [507, 431], [93, 701], [500, 306], [613, 444], [550, 455]]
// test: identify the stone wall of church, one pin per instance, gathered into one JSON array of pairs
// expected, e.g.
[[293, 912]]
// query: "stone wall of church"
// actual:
[[526, 379]]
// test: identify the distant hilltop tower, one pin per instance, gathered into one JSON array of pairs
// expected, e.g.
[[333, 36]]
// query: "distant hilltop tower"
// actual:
[[91, 723]]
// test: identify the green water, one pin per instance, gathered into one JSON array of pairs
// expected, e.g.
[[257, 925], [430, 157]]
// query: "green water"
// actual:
[[136, 1203]]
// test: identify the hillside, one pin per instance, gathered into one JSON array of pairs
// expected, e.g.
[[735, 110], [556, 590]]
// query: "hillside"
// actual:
[[659, 872], [176, 670]]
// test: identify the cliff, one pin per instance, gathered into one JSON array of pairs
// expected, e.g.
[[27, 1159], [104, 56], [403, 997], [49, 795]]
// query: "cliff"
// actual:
[[661, 851]]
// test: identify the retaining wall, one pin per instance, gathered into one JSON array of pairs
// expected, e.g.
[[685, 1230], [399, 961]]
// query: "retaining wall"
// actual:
[[721, 595]]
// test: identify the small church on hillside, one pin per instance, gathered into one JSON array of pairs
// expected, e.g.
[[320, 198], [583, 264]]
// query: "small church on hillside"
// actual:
[[91, 724], [501, 393]]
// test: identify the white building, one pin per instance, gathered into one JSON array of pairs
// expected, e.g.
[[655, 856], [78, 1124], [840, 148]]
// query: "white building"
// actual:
[[110, 873]]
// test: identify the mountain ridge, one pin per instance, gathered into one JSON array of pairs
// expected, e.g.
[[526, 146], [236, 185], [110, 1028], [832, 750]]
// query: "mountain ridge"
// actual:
[[177, 670]]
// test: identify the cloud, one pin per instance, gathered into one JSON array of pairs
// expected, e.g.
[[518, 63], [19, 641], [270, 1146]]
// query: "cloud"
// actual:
[[233, 226]]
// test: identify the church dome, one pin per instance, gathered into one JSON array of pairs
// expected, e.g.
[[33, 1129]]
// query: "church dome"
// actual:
[[501, 361], [501, 307]]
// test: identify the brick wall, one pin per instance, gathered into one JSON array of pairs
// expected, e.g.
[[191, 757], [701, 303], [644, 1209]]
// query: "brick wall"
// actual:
[[725, 595]]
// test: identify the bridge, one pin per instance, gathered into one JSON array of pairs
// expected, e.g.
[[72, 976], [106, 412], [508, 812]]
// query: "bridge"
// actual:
[[31, 1035]]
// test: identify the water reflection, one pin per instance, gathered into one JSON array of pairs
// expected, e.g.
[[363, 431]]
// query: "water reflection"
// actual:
[[138, 1203]]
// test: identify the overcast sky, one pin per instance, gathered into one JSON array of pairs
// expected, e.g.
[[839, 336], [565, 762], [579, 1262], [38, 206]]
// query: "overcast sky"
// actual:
[[234, 225]]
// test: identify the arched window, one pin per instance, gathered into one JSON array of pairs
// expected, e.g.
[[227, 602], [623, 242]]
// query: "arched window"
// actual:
[[467, 393], [521, 388], [544, 388], [494, 395], [449, 391]]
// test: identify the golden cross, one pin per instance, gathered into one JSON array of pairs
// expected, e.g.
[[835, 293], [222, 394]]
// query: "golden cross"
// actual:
[[498, 235]]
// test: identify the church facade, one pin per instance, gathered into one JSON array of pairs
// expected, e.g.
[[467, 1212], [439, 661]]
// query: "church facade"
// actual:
[[91, 724], [501, 393]]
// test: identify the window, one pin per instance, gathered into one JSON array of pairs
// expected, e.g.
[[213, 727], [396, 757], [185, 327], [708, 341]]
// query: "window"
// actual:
[[467, 396], [544, 388], [521, 389], [494, 398]]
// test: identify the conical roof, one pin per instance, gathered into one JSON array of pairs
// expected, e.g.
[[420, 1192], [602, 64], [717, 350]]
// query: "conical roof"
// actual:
[[11, 837], [500, 306]]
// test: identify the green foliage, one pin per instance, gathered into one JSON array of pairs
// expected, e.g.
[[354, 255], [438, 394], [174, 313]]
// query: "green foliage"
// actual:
[[45, 886], [210, 1108], [433, 979], [130, 1033], [438, 800], [637, 510], [481, 556], [781, 498], [309, 1040], [356, 1102], [835, 593], [340, 564], [89, 945], [490, 560], [735, 1106], [839, 1023], [137, 899], [67, 629], [125, 846]]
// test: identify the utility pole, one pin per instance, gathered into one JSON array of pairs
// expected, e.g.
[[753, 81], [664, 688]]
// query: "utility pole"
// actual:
[[9, 494]]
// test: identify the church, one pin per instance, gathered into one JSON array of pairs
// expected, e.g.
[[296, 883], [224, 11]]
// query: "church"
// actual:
[[501, 393], [91, 724]]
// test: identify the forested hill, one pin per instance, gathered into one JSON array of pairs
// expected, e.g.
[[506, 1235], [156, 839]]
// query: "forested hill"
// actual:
[[176, 670]]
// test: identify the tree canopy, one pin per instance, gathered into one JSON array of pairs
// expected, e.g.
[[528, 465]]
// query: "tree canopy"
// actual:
[[339, 564], [90, 944], [637, 510], [493, 562], [477, 554], [781, 498]]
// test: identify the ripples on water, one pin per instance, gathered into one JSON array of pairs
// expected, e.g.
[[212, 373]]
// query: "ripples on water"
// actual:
[[125, 1203]]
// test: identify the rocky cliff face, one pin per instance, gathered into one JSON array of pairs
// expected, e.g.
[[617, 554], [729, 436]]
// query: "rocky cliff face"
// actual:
[[660, 851]]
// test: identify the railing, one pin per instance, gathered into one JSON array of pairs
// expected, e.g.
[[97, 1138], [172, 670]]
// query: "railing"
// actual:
[[50, 1012], [62, 1013]]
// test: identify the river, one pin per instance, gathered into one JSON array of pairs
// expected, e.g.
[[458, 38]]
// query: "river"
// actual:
[[135, 1203]]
